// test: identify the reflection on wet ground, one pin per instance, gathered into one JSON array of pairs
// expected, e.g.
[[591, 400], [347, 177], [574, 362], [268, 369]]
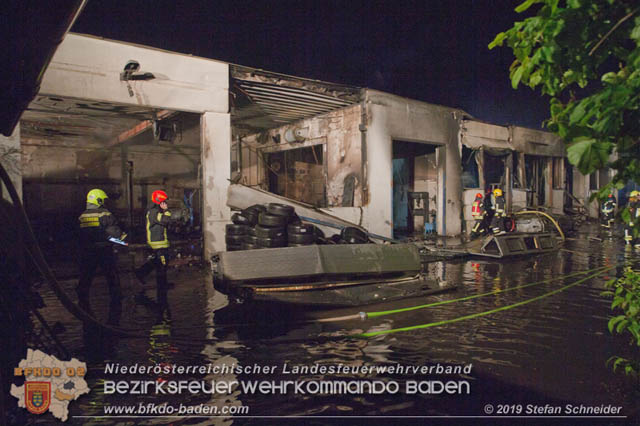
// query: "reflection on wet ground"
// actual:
[[552, 351]]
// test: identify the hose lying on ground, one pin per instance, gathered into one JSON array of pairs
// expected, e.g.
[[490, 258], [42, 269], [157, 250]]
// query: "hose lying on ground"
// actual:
[[33, 249], [482, 314]]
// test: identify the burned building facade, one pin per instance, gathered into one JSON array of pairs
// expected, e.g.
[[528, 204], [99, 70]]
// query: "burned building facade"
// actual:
[[195, 127]]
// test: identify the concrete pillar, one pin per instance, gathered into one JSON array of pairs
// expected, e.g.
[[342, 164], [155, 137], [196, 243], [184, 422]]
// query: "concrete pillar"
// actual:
[[378, 213], [452, 202], [216, 170], [11, 158]]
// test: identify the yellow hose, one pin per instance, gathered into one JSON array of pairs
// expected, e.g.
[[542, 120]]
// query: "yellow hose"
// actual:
[[547, 216]]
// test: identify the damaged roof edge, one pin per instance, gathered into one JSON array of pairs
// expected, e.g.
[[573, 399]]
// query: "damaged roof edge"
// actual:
[[345, 92]]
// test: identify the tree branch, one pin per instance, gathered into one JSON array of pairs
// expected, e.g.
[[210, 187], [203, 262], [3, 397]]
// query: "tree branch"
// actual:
[[629, 15]]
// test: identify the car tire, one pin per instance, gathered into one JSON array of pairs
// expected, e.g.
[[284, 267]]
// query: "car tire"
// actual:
[[272, 220], [234, 247], [268, 232], [235, 229], [240, 219], [249, 246], [280, 209], [258, 207], [302, 238], [272, 242], [250, 239], [234, 239], [303, 228]]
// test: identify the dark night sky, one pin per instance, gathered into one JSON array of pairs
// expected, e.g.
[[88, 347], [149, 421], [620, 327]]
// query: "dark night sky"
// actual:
[[434, 50]]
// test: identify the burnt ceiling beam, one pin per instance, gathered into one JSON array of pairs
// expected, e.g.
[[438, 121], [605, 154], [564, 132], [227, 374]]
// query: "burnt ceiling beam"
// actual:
[[139, 128]]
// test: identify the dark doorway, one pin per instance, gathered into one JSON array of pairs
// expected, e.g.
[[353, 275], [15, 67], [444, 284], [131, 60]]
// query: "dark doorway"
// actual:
[[536, 179], [414, 170]]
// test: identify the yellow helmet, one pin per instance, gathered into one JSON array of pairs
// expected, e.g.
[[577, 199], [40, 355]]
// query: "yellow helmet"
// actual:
[[497, 192], [97, 197], [634, 194]]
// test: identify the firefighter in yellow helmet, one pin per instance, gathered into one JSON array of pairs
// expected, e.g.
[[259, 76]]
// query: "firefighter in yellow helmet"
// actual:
[[97, 227], [499, 209], [634, 211]]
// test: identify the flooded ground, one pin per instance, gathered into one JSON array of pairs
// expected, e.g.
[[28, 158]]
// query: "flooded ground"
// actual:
[[550, 352]]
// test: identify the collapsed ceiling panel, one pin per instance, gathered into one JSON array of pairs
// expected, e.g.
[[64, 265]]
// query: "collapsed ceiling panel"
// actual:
[[74, 120], [264, 100]]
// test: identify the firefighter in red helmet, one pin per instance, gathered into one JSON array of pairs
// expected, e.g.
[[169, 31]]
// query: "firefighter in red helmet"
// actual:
[[157, 220], [479, 215]]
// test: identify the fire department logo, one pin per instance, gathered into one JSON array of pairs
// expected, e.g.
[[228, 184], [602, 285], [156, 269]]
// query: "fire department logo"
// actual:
[[37, 396], [50, 384]]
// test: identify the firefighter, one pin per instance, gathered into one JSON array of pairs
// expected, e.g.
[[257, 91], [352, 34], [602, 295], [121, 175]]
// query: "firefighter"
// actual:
[[97, 225], [158, 218], [607, 210], [497, 221], [634, 212], [479, 214]]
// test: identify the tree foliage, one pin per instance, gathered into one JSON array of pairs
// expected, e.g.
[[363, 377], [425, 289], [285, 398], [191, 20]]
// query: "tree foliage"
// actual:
[[625, 292], [584, 54]]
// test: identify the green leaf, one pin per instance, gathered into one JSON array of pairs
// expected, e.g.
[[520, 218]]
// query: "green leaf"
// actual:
[[635, 33], [577, 113], [498, 40], [526, 5], [517, 75], [573, 4], [626, 215], [609, 78], [547, 53], [588, 154], [613, 321]]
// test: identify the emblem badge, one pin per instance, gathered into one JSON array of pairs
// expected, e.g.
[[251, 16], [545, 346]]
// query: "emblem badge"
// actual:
[[37, 396]]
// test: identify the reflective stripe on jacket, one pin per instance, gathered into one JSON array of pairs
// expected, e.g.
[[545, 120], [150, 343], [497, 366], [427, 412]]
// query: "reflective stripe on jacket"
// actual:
[[477, 209], [499, 206], [157, 222], [97, 225], [608, 206]]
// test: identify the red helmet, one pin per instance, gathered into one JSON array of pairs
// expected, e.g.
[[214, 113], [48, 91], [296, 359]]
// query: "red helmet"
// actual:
[[479, 195], [159, 196], [610, 195]]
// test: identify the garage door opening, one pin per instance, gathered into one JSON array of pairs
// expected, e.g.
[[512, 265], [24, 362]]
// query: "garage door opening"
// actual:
[[71, 146], [415, 188]]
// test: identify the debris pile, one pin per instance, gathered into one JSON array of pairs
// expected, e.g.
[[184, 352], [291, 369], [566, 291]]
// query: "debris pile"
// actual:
[[278, 225]]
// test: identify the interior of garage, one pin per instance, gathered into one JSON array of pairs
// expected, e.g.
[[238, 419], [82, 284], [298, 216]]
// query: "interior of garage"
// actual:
[[70, 146]]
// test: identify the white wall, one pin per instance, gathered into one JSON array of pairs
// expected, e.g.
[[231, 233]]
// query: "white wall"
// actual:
[[86, 67], [392, 118]]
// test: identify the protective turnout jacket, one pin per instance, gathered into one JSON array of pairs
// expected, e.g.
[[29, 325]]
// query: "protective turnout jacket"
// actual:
[[477, 209], [499, 205], [608, 206], [97, 225], [157, 222]]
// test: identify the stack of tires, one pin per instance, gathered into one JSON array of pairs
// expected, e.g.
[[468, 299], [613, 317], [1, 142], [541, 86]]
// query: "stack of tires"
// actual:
[[301, 234], [271, 229], [235, 236], [277, 225]]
